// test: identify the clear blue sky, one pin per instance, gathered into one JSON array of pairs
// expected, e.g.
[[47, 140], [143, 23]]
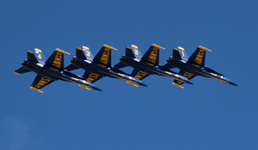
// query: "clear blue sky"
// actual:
[[207, 115]]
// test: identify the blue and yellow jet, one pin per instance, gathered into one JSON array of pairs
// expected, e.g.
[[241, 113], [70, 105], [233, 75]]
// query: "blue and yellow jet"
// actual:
[[50, 70], [99, 66], [147, 64], [193, 66]]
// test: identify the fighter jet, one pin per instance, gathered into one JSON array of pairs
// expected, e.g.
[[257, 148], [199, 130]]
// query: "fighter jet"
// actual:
[[147, 64], [99, 66], [50, 70], [193, 66]]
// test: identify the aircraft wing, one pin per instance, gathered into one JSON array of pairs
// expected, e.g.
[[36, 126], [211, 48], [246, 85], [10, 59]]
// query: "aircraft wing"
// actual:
[[140, 75], [40, 82], [91, 77], [187, 75], [103, 58], [151, 57], [198, 57], [56, 60]]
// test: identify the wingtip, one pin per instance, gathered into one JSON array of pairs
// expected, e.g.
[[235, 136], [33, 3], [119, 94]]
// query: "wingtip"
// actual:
[[105, 45], [155, 45], [204, 48], [177, 85], [59, 50], [36, 89]]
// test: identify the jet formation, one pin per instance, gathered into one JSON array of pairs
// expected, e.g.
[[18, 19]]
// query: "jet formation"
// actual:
[[100, 66]]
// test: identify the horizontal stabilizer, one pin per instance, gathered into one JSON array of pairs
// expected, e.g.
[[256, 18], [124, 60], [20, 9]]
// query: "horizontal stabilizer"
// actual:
[[120, 65], [167, 67], [119, 71], [21, 70], [71, 67]]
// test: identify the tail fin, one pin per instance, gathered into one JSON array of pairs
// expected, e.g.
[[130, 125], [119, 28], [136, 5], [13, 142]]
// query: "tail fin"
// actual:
[[84, 53], [31, 57], [135, 53], [88, 53], [129, 52], [180, 54], [198, 57], [40, 56]]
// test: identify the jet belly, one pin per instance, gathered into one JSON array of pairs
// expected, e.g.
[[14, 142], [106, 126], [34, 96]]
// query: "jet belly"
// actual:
[[137, 65], [184, 66], [217, 77], [82, 83], [91, 67], [39, 69]]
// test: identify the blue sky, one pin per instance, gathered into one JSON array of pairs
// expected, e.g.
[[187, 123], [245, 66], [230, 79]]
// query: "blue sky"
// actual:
[[207, 115]]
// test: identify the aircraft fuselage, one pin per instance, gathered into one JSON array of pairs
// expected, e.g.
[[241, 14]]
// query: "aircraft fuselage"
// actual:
[[55, 74], [191, 68], [95, 68], [151, 69]]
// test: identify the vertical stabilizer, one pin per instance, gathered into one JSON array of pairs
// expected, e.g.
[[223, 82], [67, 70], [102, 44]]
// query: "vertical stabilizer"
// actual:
[[40, 56], [31, 57], [136, 53], [180, 54], [87, 53]]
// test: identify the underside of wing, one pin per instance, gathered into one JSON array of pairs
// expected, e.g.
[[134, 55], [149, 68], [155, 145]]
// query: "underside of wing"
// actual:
[[91, 77], [151, 57], [187, 75], [40, 82], [198, 57], [103, 58], [56, 60], [140, 75]]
